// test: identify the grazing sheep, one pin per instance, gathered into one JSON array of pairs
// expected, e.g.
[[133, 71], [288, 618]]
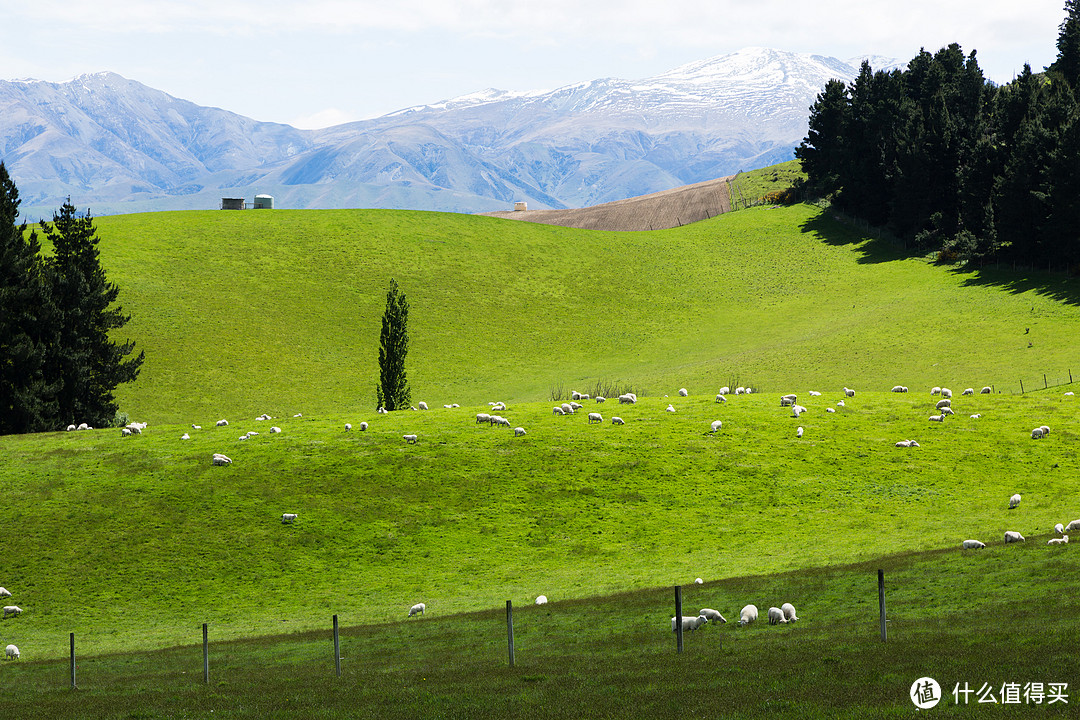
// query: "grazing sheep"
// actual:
[[986, 390], [500, 420], [725, 390], [908, 443], [498, 406], [947, 411], [422, 405], [787, 400], [264, 416], [840, 403], [799, 432], [299, 415], [84, 426], [567, 409], [575, 395], [976, 416], [483, 418], [220, 459], [712, 615], [1059, 529], [898, 388], [600, 399], [11, 652], [382, 411], [1011, 536], [699, 581], [935, 390], [222, 423], [740, 390], [125, 432], [4, 592], [1074, 525], [670, 409], [519, 431], [943, 404], [185, 436], [1045, 429], [557, 410], [797, 410], [70, 428], [937, 418], [616, 420], [973, 545], [789, 612], [776, 616], [830, 410], [348, 426], [1014, 501], [946, 392], [1063, 540], [815, 393], [968, 391], [1070, 394], [716, 425], [627, 399], [1037, 433], [417, 609], [541, 599], [12, 610], [747, 615], [288, 518], [690, 623], [410, 439], [196, 427], [448, 406], [683, 393], [596, 417], [849, 392], [721, 399], [276, 429]]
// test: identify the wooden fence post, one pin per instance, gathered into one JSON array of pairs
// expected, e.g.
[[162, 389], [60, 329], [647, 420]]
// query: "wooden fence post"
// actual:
[[1021, 387], [205, 656], [881, 601], [337, 648], [510, 631], [678, 615], [73, 686]]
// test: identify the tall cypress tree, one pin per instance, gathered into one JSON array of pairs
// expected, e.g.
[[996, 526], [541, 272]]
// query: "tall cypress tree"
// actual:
[[27, 399], [392, 392], [87, 364]]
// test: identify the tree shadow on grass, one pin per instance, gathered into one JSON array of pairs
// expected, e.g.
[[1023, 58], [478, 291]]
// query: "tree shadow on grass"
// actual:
[[834, 230]]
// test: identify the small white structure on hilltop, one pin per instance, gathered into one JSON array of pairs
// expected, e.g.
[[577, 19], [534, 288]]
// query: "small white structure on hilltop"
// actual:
[[263, 202], [521, 206]]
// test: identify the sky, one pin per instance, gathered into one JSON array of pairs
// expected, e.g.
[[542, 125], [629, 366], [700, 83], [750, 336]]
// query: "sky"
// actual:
[[316, 63]]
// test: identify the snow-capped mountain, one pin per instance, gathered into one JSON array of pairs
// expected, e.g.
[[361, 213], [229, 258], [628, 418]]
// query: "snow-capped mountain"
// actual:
[[118, 146]]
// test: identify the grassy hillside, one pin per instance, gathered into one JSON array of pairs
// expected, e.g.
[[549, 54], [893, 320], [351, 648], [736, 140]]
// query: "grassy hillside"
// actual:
[[278, 312]]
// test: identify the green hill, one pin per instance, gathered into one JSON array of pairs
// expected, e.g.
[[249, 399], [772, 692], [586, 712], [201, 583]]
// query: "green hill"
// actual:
[[278, 312]]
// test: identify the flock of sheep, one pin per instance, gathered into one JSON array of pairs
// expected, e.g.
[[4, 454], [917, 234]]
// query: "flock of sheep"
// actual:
[[777, 616], [10, 652]]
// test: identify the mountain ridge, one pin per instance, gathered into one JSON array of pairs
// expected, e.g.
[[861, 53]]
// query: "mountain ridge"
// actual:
[[121, 146]]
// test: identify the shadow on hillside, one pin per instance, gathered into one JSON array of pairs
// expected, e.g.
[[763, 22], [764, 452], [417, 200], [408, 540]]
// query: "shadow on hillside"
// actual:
[[833, 230], [1057, 286]]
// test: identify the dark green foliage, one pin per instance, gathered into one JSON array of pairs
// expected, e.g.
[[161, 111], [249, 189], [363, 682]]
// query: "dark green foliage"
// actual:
[[85, 363], [392, 392], [952, 163], [27, 399]]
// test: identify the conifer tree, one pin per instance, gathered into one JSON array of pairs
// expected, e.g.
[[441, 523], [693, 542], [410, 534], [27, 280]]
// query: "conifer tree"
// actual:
[[1068, 45], [27, 399], [86, 363], [392, 392]]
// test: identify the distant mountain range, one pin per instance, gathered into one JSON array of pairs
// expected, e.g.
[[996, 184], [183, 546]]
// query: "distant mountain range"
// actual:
[[115, 145]]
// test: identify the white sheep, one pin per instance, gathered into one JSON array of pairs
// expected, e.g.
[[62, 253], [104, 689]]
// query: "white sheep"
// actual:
[[683, 393], [947, 411], [498, 406], [712, 615], [815, 393], [1037, 433], [348, 426], [986, 390], [1063, 540], [690, 623], [908, 443], [500, 420], [968, 391], [1074, 525], [898, 388], [84, 426], [567, 409], [448, 406], [725, 390], [422, 405], [973, 545], [417, 609], [288, 518], [626, 399], [11, 652], [776, 616], [519, 431], [70, 428], [976, 416], [797, 410], [616, 420], [840, 403], [830, 410], [1045, 429], [670, 408], [275, 429], [699, 581], [946, 392], [185, 436], [541, 599], [747, 615], [1070, 394], [125, 432], [937, 418], [1011, 536], [1014, 501], [382, 411], [943, 404], [222, 423], [12, 610], [298, 415], [575, 406], [575, 395], [4, 592], [196, 427], [935, 390], [600, 399], [786, 400], [721, 399], [220, 459], [789, 612], [716, 425], [557, 410], [849, 392], [483, 418], [799, 432], [740, 390], [596, 417], [410, 439], [1059, 529]]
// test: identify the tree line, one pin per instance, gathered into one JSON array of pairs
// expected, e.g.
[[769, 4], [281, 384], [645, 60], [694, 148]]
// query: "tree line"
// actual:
[[953, 163], [58, 365]]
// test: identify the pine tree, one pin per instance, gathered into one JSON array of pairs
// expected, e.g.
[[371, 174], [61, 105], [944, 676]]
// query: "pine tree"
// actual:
[[86, 363], [392, 392], [821, 152], [1068, 45], [27, 400]]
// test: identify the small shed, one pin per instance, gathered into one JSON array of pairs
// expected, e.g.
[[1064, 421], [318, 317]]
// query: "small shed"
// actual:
[[233, 203], [264, 202], [521, 206]]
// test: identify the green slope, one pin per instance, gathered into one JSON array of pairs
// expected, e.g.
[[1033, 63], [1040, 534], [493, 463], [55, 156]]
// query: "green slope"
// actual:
[[249, 312]]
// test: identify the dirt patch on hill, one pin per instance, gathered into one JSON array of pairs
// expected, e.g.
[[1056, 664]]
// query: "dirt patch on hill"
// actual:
[[657, 211]]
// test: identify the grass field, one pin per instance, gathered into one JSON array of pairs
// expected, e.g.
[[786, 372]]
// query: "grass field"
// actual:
[[133, 543]]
